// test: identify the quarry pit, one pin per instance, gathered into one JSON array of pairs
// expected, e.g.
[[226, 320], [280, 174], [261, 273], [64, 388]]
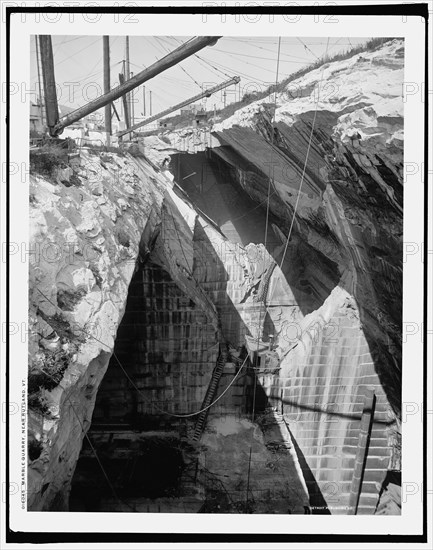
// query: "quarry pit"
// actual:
[[183, 342]]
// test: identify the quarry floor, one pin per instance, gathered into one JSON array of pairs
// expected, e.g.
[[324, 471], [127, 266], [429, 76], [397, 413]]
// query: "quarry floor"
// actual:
[[234, 469]]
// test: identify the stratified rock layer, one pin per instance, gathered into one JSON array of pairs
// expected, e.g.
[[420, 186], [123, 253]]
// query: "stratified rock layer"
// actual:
[[333, 151], [347, 117], [330, 301], [87, 240]]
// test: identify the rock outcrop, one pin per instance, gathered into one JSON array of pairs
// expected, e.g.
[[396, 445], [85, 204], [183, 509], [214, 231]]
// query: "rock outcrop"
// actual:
[[333, 303], [347, 118], [326, 304], [87, 232]]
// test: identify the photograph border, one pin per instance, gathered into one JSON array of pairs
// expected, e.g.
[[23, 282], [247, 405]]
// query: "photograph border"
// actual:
[[410, 10]]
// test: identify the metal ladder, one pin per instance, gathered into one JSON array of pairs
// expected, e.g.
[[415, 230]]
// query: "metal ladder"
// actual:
[[262, 293], [210, 393]]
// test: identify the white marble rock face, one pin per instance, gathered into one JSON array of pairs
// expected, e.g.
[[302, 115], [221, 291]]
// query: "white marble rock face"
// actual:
[[342, 267]]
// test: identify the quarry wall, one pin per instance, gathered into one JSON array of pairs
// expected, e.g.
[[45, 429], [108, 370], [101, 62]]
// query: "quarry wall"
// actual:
[[328, 303]]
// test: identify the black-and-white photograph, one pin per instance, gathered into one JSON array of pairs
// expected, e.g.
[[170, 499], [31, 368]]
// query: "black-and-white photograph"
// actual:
[[215, 267], [220, 328]]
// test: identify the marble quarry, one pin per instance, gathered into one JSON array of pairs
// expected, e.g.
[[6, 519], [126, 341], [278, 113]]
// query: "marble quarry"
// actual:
[[164, 289]]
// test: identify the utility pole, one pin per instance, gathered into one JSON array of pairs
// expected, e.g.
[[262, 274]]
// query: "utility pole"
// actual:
[[50, 92], [173, 58], [206, 93], [125, 103], [150, 102], [120, 82], [107, 84], [144, 101], [225, 97], [132, 104], [127, 73], [41, 109]]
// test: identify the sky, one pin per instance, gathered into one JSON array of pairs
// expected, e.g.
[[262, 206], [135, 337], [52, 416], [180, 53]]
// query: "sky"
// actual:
[[79, 70]]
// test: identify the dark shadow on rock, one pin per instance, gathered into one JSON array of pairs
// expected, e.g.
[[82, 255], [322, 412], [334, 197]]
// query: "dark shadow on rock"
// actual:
[[317, 501], [330, 413], [315, 258], [210, 180]]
